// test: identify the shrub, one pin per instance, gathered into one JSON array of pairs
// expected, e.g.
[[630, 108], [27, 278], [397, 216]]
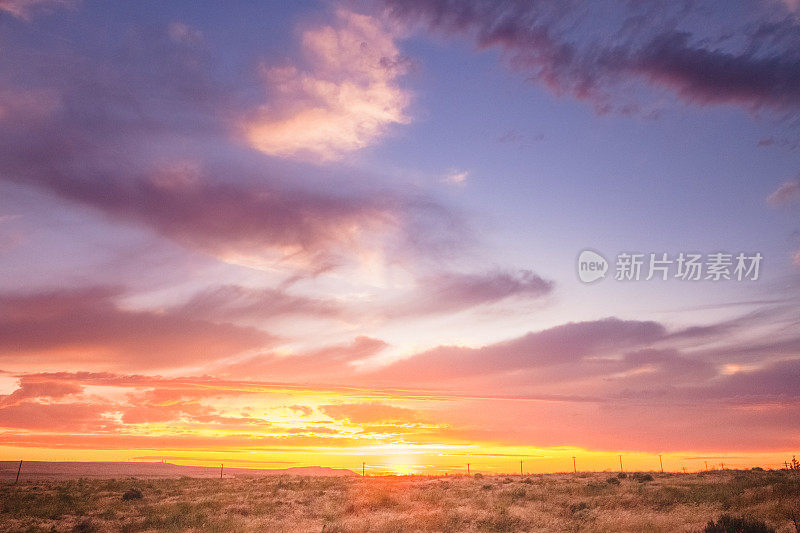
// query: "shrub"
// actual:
[[518, 494], [502, 521], [612, 481], [732, 524], [132, 494], [642, 478], [578, 507], [85, 526], [381, 501], [622, 475]]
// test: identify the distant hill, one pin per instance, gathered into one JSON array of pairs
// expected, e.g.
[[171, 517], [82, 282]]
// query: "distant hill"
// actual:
[[74, 470]]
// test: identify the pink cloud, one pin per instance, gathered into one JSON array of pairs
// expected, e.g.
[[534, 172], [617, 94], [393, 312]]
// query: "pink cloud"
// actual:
[[698, 409], [787, 193], [72, 417], [26, 9], [325, 364], [233, 302], [144, 159], [567, 343], [347, 98], [88, 326], [32, 388]]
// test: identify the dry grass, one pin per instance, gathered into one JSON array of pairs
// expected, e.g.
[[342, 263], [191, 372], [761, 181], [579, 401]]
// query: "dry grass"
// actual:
[[555, 502]]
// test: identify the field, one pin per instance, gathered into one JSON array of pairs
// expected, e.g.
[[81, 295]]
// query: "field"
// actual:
[[552, 502]]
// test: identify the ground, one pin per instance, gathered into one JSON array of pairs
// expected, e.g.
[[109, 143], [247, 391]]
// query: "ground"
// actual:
[[553, 502]]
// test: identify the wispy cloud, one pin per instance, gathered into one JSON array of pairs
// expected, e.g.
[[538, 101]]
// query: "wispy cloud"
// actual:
[[565, 47], [370, 413], [787, 193], [450, 292], [327, 364], [26, 9], [456, 177]]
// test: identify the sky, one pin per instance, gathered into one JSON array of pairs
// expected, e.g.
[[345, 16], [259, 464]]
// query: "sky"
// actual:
[[330, 233]]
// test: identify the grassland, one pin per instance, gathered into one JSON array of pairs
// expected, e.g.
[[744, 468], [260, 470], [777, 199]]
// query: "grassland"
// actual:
[[553, 502]]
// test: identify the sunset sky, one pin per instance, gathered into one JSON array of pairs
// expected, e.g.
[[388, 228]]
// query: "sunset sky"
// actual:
[[277, 234]]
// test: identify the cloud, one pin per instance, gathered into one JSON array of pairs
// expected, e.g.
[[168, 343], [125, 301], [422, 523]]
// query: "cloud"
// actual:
[[456, 176], [302, 410], [31, 388], [26, 9], [602, 360], [453, 291], [151, 141], [184, 409], [698, 408], [369, 413], [234, 302], [243, 441], [243, 222], [72, 417], [776, 380], [89, 326], [577, 51], [567, 343], [329, 363], [787, 193], [185, 34], [766, 141], [187, 407], [704, 76], [346, 99]]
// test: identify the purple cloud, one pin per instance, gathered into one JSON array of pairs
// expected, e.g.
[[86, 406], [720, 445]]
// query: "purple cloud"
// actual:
[[26, 9], [326, 364], [233, 302], [572, 52], [452, 291], [89, 326], [567, 343], [145, 135]]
